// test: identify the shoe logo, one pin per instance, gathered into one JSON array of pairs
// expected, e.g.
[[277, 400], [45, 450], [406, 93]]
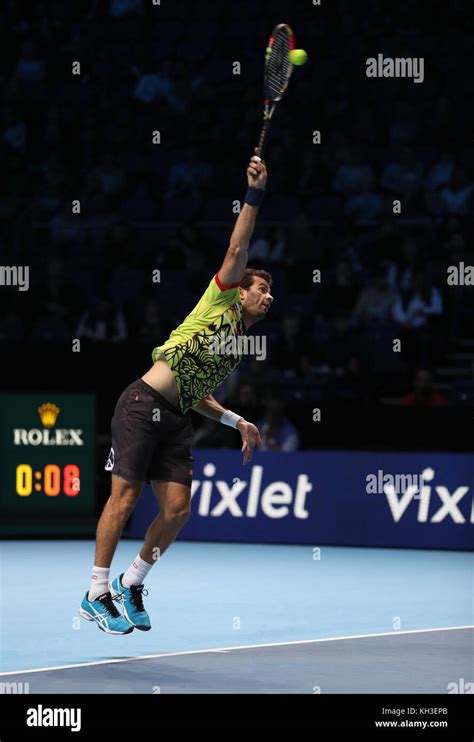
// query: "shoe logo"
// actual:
[[99, 617], [110, 461]]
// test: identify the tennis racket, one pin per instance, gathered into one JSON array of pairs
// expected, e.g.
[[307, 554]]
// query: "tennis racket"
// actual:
[[278, 69]]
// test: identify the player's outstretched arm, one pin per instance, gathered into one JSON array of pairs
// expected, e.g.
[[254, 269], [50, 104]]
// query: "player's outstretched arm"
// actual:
[[235, 261], [210, 407]]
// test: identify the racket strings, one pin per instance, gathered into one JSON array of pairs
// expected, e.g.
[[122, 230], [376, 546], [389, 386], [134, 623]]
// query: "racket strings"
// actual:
[[278, 66]]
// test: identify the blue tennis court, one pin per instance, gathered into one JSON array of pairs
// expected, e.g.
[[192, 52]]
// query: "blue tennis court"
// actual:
[[240, 618]]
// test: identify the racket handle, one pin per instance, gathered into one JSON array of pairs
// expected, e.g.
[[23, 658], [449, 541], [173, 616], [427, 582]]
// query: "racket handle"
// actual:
[[267, 118], [259, 149], [261, 141]]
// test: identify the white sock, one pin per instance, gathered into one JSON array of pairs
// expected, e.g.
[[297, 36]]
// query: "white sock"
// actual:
[[99, 582], [136, 573]]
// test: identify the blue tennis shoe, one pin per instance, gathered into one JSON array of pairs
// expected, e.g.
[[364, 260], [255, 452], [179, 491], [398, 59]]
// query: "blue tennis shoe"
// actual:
[[131, 599], [105, 614]]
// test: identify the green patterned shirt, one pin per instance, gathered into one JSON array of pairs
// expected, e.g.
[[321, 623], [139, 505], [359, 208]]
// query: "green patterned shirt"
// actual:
[[190, 349]]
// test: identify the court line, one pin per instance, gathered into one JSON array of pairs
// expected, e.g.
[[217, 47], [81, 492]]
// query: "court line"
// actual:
[[231, 649]]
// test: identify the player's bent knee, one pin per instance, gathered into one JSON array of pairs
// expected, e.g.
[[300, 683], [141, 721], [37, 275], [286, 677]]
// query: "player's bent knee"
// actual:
[[125, 494], [179, 514]]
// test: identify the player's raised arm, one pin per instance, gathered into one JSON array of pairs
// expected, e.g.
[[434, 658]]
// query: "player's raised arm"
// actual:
[[235, 261]]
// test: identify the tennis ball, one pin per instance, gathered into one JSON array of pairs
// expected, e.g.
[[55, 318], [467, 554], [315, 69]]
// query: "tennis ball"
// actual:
[[298, 56]]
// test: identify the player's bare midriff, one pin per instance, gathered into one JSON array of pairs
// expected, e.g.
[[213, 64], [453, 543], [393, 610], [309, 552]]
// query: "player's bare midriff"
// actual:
[[161, 378]]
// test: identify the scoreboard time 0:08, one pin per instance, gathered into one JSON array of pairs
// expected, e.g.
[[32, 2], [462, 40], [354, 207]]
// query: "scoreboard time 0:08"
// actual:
[[52, 480]]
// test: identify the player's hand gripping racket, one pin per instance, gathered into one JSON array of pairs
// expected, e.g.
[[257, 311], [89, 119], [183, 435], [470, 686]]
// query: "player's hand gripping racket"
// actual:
[[278, 69]]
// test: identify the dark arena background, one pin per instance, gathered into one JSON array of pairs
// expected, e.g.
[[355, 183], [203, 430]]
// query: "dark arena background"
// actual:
[[328, 582]]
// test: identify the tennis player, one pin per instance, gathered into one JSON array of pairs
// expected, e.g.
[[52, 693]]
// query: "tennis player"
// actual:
[[151, 432]]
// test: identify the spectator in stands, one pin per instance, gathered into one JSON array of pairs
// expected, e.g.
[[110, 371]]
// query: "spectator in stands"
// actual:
[[152, 85], [305, 370], [277, 432], [402, 177], [122, 8], [110, 176], [403, 128], [353, 173], [270, 247], [191, 174], [414, 308], [348, 382], [375, 302], [245, 395], [440, 173], [366, 204], [456, 198], [31, 67], [149, 326], [456, 249], [102, 324], [13, 130], [418, 312], [406, 265], [424, 394]]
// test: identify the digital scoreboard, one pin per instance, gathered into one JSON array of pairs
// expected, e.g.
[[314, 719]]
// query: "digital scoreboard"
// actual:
[[47, 464]]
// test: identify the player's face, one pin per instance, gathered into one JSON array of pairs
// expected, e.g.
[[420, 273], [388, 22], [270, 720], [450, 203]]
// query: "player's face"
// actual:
[[257, 299]]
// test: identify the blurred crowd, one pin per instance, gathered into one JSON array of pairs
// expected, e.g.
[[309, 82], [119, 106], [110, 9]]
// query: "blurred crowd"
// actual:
[[152, 139]]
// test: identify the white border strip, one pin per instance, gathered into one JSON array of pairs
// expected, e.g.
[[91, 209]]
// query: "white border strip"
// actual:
[[231, 649]]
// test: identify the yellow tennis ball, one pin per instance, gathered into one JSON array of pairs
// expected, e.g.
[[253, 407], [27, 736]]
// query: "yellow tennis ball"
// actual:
[[298, 56]]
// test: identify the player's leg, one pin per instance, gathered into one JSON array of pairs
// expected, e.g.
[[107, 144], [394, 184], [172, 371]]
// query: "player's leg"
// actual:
[[123, 498], [97, 604], [174, 500]]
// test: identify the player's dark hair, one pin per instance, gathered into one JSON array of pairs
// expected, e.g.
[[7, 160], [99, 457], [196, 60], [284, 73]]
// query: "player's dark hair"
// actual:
[[249, 273]]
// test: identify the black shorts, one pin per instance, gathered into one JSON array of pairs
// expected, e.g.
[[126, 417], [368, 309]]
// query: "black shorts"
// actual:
[[151, 439]]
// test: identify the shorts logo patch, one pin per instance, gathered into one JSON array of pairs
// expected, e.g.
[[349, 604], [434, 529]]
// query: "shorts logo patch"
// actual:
[[110, 461]]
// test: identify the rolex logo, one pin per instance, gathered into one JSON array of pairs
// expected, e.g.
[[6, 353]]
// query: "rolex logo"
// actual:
[[49, 414]]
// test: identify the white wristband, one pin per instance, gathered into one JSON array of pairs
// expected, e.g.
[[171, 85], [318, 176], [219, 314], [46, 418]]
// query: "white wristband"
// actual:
[[230, 418]]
